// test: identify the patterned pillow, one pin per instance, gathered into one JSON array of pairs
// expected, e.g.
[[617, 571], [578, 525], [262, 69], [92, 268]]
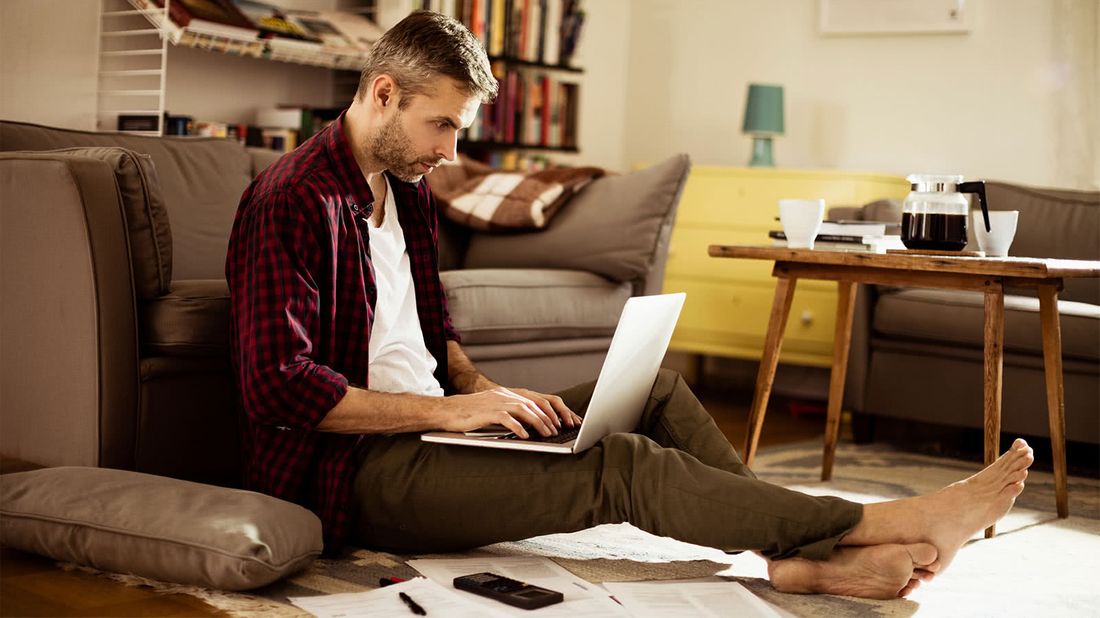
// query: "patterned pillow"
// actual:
[[502, 201]]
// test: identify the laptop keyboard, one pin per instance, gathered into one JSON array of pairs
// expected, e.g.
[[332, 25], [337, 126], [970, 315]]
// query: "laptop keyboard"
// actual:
[[564, 435]]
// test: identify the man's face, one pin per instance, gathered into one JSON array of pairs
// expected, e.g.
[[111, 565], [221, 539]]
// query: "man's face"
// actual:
[[413, 141]]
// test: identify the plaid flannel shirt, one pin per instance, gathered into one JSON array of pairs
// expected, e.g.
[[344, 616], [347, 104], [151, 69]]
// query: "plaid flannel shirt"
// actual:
[[302, 295]]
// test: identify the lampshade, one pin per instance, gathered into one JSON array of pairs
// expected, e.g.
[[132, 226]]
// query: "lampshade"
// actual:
[[764, 110]]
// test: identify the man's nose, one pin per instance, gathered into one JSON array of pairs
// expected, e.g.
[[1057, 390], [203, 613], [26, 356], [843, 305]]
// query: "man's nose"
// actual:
[[449, 147]]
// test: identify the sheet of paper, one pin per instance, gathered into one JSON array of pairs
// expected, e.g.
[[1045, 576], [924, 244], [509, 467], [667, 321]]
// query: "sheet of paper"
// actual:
[[671, 598], [581, 597], [385, 602]]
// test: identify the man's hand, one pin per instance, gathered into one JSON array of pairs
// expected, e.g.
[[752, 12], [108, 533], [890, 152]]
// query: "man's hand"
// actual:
[[512, 408]]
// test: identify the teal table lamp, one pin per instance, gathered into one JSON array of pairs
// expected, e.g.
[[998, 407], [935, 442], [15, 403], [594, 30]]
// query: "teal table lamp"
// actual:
[[763, 120]]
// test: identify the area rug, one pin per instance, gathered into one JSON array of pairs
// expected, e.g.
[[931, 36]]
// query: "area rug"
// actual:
[[1037, 565]]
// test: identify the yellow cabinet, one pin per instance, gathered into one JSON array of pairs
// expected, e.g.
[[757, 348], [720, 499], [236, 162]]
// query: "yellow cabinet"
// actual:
[[729, 300]]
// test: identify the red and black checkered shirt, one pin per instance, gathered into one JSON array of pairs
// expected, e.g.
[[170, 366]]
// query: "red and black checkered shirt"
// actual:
[[302, 305]]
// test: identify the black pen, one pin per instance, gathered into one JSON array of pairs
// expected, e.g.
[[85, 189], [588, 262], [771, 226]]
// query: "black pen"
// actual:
[[413, 606]]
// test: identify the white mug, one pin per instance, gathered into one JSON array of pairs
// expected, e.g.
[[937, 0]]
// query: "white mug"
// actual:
[[1002, 229], [801, 221]]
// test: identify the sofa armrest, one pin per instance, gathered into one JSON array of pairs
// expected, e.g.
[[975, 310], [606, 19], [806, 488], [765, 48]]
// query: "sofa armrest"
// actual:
[[262, 158], [67, 314]]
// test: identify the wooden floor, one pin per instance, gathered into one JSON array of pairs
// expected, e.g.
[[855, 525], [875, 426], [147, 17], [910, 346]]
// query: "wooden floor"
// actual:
[[34, 586]]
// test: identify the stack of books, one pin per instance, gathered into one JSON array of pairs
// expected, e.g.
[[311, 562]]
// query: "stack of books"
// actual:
[[864, 236], [261, 29]]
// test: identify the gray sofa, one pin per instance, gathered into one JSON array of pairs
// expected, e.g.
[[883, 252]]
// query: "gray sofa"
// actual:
[[114, 308], [917, 354]]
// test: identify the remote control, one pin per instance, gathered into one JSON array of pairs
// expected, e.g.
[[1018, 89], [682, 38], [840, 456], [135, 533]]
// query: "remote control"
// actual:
[[508, 591]]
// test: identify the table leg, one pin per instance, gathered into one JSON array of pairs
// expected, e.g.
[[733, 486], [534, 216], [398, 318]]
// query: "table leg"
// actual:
[[842, 338], [1056, 411], [994, 366], [765, 376]]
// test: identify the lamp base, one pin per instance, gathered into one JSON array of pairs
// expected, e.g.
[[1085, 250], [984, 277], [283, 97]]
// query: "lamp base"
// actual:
[[762, 151]]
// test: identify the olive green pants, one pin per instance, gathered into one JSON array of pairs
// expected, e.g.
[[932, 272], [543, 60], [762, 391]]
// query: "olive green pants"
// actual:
[[676, 476]]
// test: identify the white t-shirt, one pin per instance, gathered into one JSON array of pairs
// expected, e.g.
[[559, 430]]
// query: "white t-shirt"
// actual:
[[399, 360]]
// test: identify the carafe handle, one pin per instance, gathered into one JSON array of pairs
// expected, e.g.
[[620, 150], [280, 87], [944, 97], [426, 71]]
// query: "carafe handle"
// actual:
[[977, 186]]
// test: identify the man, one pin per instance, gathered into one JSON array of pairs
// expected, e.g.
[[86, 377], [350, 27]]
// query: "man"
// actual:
[[344, 351]]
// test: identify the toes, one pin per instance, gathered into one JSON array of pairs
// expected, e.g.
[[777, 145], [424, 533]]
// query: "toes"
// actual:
[[924, 575], [909, 588], [1019, 444]]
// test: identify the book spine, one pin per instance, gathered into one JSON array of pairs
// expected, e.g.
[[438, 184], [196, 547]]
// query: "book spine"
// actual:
[[499, 21], [544, 121]]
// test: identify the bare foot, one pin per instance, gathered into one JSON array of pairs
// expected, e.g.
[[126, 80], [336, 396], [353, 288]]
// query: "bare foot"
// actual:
[[949, 517], [877, 572]]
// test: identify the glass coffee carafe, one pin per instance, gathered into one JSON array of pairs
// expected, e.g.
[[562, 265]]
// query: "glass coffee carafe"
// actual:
[[936, 211]]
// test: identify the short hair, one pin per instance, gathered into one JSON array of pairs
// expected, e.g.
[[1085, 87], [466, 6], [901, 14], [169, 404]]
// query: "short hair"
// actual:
[[423, 46]]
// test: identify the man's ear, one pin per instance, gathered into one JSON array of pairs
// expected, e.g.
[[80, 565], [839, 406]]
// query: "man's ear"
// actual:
[[383, 92]]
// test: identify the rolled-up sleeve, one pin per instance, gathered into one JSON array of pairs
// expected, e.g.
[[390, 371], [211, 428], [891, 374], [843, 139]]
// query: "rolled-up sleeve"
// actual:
[[274, 269]]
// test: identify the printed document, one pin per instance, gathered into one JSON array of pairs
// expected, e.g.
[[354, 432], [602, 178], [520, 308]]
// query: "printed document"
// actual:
[[386, 602], [581, 598], [672, 598]]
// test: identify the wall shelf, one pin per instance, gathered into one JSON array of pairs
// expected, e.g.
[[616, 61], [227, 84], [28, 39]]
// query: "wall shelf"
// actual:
[[485, 145]]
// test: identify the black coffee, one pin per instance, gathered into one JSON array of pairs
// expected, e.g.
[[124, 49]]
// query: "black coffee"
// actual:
[[934, 231]]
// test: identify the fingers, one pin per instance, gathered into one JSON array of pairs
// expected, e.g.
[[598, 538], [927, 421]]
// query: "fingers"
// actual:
[[553, 406], [529, 412]]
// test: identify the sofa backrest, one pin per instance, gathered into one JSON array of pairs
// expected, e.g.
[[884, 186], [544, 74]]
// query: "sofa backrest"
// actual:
[[201, 180], [1054, 223]]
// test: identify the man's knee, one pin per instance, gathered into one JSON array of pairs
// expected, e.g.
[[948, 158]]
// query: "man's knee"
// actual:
[[668, 380], [625, 449]]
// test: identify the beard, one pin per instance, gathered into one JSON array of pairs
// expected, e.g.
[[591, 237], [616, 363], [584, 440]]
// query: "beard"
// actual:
[[390, 145]]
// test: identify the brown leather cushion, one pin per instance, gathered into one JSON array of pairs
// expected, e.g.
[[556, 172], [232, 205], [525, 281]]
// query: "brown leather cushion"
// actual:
[[191, 320], [146, 216], [957, 317], [202, 179], [157, 527]]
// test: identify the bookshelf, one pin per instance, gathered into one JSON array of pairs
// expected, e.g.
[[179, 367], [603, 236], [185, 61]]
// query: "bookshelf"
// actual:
[[530, 44], [135, 38]]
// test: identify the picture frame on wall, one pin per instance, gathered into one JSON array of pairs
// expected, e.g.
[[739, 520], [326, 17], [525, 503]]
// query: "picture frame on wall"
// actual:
[[895, 17]]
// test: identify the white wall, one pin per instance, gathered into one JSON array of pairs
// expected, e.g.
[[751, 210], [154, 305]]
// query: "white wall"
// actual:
[[47, 64], [1015, 99]]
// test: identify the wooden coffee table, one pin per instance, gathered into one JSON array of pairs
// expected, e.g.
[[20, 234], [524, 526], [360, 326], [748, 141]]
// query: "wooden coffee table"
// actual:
[[988, 275]]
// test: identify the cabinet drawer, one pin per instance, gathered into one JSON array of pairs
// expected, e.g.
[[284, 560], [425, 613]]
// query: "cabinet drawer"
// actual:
[[732, 319], [751, 197], [687, 254]]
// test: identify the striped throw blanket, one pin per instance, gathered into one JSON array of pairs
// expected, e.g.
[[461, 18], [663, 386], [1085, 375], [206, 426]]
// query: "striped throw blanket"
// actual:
[[507, 201]]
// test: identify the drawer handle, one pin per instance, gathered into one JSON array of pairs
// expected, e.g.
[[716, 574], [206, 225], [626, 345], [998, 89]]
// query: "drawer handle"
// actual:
[[807, 317]]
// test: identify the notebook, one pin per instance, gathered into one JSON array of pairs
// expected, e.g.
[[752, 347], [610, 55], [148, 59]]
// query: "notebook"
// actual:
[[618, 400]]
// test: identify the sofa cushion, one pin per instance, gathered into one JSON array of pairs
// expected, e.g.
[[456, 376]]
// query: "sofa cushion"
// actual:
[[146, 216], [202, 179], [192, 319], [611, 228], [492, 306], [958, 317], [156, 527]]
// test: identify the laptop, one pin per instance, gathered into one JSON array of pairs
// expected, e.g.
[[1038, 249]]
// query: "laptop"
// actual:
[[619, 398]]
